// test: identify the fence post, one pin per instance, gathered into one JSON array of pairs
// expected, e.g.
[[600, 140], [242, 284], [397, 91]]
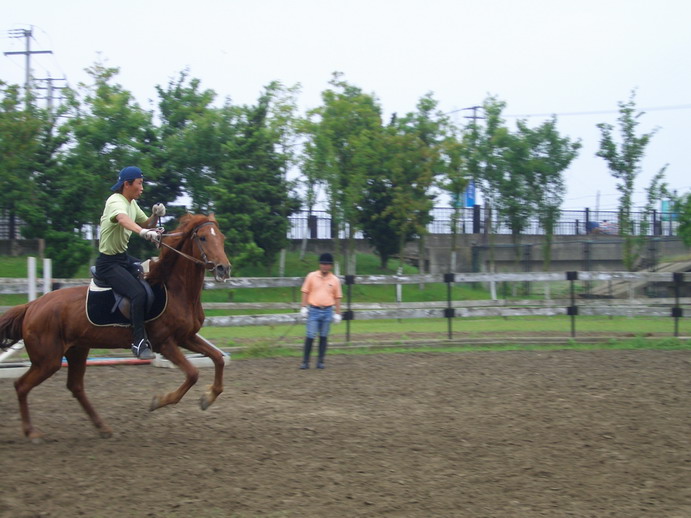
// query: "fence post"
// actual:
[[47, 275], [677, 311], [349, 315], [31, 268], [449, 312], [572, 310], [476, 219]]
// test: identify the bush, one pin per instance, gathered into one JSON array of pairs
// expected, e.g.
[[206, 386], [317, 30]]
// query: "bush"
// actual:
[[68, 252]]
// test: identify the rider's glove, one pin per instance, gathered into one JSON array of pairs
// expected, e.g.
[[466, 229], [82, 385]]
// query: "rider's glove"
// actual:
[[150, 234], [304, 311], [336, 318], [159, 210]]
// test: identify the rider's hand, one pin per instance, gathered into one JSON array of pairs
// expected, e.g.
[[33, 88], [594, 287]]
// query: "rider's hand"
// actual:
[[304, 311], [336, 318], [150, 234], [158, 210]]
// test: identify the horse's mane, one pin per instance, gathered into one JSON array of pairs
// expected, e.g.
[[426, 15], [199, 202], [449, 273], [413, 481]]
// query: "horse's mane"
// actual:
[[161, 268]]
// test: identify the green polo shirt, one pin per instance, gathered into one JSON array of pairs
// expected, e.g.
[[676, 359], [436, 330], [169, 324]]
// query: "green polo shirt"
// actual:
[[114, 237]]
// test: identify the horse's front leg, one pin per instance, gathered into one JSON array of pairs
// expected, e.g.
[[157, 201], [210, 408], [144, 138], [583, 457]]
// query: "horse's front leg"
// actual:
[[200, 345], [170, 351]]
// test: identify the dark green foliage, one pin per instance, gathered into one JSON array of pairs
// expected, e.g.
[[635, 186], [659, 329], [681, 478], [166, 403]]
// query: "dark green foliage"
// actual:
[[68, 252], [683, 209], [252, 197]]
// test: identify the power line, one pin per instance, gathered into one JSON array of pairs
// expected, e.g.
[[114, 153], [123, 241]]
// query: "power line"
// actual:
[[570, 114], [27, 34], [602, 112]]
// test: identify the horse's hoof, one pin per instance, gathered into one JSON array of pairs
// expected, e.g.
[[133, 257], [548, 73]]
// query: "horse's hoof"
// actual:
[[205, 402], [105, 434], [155, 403], [37, 439]]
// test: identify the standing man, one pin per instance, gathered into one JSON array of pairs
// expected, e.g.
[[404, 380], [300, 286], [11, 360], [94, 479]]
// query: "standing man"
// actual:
[[321, 304], [122, 216]]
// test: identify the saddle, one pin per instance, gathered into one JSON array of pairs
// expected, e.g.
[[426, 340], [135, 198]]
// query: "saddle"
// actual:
[[106, 307]]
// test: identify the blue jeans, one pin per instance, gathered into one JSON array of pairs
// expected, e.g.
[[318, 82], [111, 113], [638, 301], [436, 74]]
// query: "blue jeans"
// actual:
[[319, 321]]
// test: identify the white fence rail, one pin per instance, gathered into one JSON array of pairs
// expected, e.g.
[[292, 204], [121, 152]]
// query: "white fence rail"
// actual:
[[631, 306]]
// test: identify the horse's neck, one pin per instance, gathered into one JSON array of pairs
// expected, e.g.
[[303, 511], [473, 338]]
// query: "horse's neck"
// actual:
[[183, 278], [186, 280]]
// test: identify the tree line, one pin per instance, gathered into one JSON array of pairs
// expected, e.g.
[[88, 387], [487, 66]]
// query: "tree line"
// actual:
[[376, 176]]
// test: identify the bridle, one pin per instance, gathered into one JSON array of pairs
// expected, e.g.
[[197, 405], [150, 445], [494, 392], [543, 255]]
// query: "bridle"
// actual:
[[204, 261]]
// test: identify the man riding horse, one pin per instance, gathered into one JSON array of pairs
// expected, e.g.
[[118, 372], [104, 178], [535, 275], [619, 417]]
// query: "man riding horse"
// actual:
[[122, 216]]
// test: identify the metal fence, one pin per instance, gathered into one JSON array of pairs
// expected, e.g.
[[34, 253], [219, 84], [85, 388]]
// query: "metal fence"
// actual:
[[475, 220]]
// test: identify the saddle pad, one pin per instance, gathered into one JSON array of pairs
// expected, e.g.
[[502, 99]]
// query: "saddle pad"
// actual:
[[100, 302]]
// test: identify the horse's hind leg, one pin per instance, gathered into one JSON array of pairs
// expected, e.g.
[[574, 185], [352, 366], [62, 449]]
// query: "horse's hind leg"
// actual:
[[37, 374], [76, 361]]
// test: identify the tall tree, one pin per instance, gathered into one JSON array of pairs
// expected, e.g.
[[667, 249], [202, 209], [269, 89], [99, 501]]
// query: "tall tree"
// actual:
[[455, 181], [20, 130], [487, 145], [623, 160], [431, 127], [109, 131], [191, 133], [343, 132], [682, 207], [252, 196], [544, 157]]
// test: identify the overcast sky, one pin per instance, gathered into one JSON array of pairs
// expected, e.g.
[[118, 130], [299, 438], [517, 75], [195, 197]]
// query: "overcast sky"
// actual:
[[573, 59]]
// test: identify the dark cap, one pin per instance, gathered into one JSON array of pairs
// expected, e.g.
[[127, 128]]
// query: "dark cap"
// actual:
[[128, 174], [326, 258]]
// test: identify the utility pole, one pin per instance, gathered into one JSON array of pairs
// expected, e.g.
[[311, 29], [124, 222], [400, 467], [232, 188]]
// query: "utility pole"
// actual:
[[474, 116], [27, 35], [50, 88]]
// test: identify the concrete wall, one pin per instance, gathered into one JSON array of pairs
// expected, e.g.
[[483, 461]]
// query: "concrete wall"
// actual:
[[587, 253], [15, 247]]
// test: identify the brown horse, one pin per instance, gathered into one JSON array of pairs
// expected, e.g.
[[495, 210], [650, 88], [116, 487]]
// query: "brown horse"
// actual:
[[56, 325]]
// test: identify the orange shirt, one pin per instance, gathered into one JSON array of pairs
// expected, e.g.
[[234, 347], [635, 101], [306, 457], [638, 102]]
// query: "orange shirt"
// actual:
[[322, 290]]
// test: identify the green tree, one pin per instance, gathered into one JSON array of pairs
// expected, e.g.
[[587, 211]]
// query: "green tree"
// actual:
[[252, 197], [20, 144], [107, 130], [544, 157], [455, 181], [192, 133], [487, 161], [623, 160], [682, 207], [343, 132]]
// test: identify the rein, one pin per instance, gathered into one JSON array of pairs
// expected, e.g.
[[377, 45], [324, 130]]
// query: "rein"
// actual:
[[204, 261]]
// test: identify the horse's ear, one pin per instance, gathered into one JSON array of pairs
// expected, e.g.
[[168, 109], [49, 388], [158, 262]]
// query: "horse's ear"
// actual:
[[212, 217]]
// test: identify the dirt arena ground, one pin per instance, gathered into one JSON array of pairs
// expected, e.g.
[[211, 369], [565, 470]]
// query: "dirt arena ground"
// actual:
[[491, 434]]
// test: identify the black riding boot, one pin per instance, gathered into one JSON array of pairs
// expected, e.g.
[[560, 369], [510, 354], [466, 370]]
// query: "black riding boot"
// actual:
[[307, 350], [322, 352]]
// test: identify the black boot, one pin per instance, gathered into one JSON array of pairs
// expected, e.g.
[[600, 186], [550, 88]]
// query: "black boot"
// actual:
[[141, 348], [307, 350], [322, 352]]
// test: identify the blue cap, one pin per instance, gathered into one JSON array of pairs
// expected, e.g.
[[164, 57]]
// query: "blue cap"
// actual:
[[128, 174]]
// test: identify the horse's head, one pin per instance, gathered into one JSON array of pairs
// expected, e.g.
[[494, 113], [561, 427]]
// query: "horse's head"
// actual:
[[197, 239], [210, 246]]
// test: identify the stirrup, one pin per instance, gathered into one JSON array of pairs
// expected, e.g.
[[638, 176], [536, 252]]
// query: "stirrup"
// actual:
[[142, 350]]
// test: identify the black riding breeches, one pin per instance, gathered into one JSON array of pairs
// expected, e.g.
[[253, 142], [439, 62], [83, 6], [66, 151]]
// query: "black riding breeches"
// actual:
[[119, 271]]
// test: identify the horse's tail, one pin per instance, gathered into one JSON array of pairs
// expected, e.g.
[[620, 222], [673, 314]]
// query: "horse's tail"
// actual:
[[11, 325]]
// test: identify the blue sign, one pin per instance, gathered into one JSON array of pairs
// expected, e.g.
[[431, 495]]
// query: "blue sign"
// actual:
[[470, 194], [667, 211]]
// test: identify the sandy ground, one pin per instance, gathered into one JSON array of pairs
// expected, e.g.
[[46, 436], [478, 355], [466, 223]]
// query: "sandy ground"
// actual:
[[491, 434]]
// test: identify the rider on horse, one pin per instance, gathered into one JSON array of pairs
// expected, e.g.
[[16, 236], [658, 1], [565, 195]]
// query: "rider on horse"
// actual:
[[120, 218]]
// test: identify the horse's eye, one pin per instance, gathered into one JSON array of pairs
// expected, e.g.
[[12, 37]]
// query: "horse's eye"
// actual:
[[202, 238]]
